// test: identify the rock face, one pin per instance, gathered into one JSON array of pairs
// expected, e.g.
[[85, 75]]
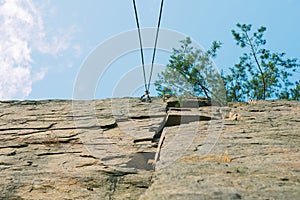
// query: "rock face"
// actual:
[[104, 149]]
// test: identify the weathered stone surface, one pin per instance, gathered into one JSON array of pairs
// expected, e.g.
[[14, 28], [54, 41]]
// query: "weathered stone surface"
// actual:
[[101, 150], [263, 151], [51, 150]]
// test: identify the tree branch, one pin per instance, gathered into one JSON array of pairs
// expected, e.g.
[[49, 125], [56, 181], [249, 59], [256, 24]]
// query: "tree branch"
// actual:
[[259, 67]]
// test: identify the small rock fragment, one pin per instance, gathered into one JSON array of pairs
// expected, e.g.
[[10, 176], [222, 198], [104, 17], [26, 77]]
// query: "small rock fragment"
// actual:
[[90, 188]]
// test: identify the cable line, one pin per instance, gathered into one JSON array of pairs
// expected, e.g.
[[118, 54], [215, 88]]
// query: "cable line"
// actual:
[[155, 44], [147, 86], [141, 44]]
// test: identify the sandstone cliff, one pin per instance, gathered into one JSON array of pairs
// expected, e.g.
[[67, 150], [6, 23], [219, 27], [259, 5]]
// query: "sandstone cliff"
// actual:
[[106, 149]]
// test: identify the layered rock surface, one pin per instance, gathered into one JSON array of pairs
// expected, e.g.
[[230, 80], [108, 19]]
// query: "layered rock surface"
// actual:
[[56, 149]]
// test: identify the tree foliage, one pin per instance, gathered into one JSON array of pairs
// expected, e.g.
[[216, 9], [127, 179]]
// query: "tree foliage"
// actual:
[[260, 74], [295, 92], [191, 72]]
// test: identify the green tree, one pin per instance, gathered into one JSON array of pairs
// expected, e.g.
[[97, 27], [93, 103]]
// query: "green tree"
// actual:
[[295, 92], [191, 73], [259, 74]]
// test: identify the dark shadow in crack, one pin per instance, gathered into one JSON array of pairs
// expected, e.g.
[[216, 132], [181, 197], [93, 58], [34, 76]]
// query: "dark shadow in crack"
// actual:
[[140, 160]]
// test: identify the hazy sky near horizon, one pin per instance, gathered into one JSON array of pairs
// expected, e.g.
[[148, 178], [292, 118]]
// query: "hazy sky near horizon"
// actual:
[[44, 43]]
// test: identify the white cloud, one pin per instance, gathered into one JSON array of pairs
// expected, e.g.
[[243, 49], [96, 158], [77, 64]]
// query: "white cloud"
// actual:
[[22, 33], [58, 43]]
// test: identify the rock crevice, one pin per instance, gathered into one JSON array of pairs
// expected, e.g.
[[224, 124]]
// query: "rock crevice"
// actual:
[[52, 150]]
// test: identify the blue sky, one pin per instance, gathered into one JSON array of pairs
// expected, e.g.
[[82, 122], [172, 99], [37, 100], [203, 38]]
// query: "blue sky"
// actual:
[[44, 43]]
